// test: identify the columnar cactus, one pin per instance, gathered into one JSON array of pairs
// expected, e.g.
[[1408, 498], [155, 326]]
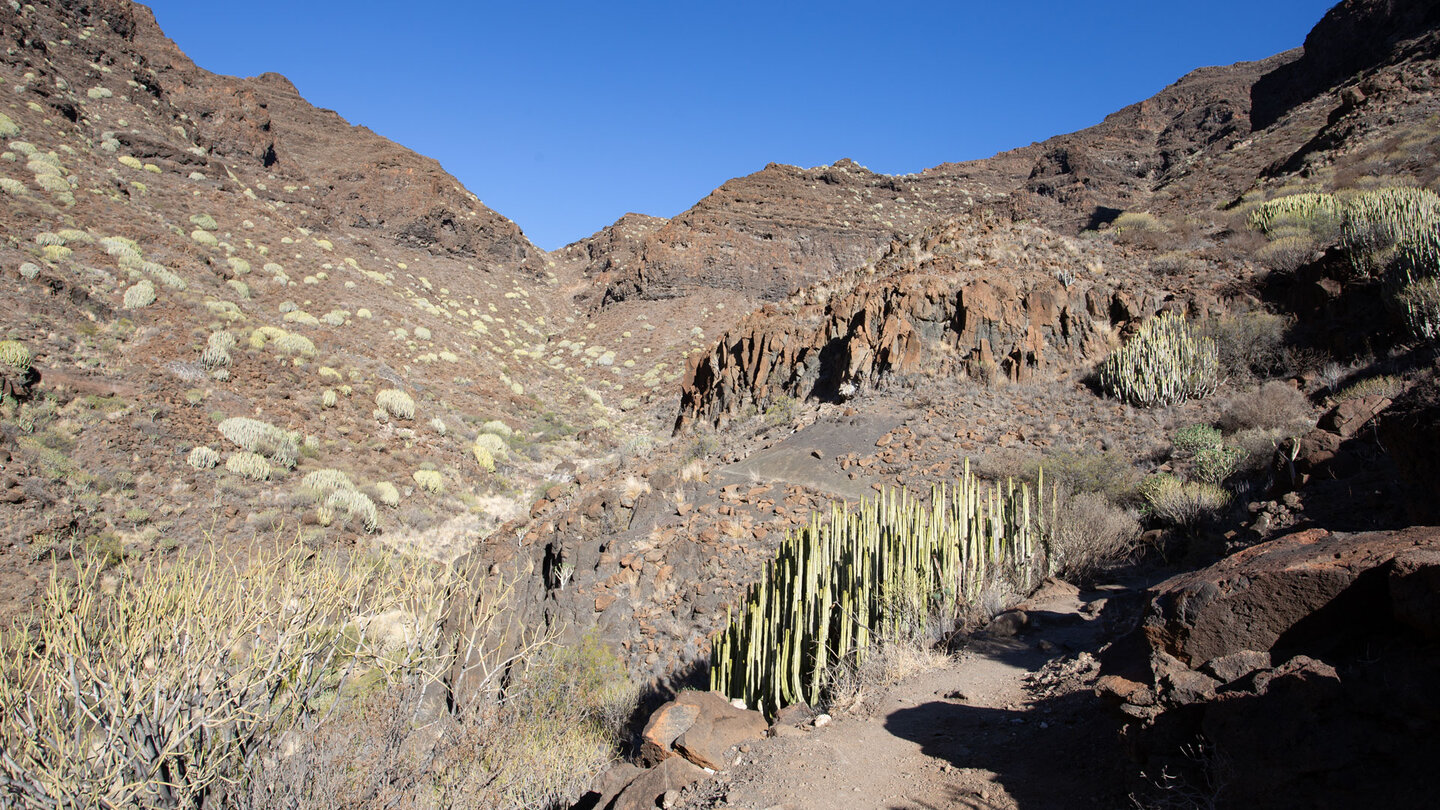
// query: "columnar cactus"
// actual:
[[831, 589]]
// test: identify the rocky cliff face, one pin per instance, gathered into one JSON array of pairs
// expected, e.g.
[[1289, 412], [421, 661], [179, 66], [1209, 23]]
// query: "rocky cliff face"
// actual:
[[976, 298]]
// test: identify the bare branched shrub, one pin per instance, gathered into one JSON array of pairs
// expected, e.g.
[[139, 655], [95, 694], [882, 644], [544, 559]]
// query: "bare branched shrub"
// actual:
[[166, 688], [1251, 344], [1091, 535], [1276, 405]]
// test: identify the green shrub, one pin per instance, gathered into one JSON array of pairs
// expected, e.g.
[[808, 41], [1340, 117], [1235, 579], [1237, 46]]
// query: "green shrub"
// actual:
[[429, 480], [260, 437], [204, 222], [1138, 221], [1183, 504], [387, 494], [140, 296], [1383, 385], [1163, 364], [1194, 438]]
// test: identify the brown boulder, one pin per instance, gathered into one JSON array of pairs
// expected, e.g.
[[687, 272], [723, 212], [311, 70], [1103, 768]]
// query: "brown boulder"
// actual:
[[700, 726], [1289, 590], [645, 790], [1348, 417]]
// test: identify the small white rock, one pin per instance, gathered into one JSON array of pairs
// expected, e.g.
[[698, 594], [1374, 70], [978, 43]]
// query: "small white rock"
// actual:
[[822, 720]]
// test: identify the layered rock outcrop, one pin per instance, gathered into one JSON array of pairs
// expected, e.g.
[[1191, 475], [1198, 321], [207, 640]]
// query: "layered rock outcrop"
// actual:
[[979, 298]]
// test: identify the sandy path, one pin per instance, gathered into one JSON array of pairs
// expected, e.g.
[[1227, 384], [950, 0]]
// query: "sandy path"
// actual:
[[995, 728]]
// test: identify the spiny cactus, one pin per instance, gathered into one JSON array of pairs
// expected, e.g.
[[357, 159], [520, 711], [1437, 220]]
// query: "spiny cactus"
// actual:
[[1163, 364], [830, 590]]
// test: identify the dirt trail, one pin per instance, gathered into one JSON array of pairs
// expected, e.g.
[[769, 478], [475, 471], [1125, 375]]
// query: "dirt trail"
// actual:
[[1009, 723]]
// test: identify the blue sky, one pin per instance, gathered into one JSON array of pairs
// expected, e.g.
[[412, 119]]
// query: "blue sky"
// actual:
[[564, 115]]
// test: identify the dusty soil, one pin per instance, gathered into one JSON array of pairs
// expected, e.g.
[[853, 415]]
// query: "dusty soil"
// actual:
[[1010, 722]]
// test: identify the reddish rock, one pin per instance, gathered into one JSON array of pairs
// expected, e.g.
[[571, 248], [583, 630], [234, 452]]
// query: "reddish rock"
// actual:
[[665, 725], [645, 790]]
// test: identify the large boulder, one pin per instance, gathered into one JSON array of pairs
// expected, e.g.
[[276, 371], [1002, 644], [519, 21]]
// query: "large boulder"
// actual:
[[1296, 673], [702, 727]]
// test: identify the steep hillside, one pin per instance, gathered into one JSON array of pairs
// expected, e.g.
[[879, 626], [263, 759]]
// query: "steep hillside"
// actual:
[[185, 252]]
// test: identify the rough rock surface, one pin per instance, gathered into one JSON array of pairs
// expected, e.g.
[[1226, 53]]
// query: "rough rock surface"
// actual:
[[1344, 715]]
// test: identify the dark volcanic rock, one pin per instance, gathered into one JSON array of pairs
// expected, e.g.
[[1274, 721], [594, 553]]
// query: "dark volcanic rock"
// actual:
[[1346, 715]]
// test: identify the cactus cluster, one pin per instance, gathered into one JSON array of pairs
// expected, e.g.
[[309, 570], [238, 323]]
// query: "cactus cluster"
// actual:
[[831, 589], [14, 356], [260, 437], [1163, 364], [396, 403], [1297, 213]]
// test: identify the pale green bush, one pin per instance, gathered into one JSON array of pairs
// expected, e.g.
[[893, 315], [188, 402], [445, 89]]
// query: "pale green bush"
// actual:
[[203, 457], [163, 274], [493, 443], [1183, 504], [261, 437], [248, 465], [429, 480], [204, 222], [204, 238], [15, 356], [356, 505], [484, 458], [29, 271], [324, 482], [328, 399], [1137, 221], [396, 403], [56, 253], [386, 493], [140, 296], [497, 427]]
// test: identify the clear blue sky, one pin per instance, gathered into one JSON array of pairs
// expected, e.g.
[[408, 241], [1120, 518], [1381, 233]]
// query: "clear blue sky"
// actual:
[[564, 115]]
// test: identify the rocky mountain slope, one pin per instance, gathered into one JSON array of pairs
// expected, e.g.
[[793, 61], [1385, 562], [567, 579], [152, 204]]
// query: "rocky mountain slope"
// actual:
[[245, 320]]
